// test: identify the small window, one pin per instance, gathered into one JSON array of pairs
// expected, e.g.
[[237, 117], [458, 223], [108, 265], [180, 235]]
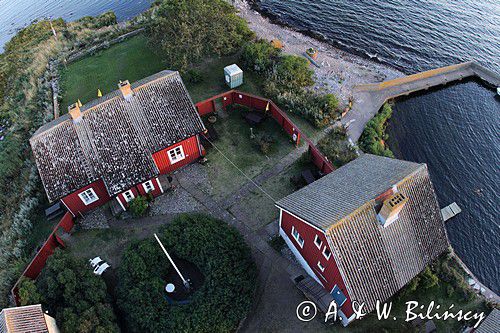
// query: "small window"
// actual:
[[327, 253], [297, 237], [317, 242], [175, 155], [128, 195], [88, 196], [321, 267], [148, 186]]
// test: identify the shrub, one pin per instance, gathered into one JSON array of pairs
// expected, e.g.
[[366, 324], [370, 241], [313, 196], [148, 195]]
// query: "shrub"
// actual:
[[373, 138], [336, 147], [292, 73], [428, 278], [185, 31], [73, 294], [259, 56], [193, 76], [95, 22], [221, 254], [139, 206], [266, 144]]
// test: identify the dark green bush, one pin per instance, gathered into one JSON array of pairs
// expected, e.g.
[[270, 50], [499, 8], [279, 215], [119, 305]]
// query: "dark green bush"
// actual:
[[336, 147], [186, 31], [259, 56], [139, 206], [193, 76], [292, 73], [221, 254], [373, 138], [70, 291], [96, 22]]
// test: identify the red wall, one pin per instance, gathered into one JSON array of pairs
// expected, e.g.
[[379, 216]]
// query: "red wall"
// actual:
[[139, 190], [311, 254], [191, 152], [38, 262], [76, 205]]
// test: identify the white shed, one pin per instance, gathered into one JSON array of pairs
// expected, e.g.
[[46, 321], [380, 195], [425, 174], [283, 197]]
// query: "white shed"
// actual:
[[233, 76]]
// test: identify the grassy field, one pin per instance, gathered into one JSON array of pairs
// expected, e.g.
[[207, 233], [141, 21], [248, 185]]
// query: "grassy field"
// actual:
[[130, 60], [235, 143]]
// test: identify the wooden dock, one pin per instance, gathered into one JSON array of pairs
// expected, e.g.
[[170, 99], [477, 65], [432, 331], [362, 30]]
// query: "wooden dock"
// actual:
[[450, 211]]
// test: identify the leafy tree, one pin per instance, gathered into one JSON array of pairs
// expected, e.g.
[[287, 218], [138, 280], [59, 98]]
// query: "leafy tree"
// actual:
[[185, 31], [69, 290], [260, 56], [428, 278], [336, 147], [28, 292], [139, 206], [218, 305]]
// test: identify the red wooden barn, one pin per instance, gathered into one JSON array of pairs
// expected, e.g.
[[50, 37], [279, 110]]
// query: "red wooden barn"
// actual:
[[117, 145], [365, 230]]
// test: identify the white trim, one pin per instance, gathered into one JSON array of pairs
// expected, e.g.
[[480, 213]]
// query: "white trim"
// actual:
[[121, 204], [69, 210], [299, 257], [298, 237], [178, 156], [89, 193], [159, 184], [324, 255], [144, 186], [321, 267], [315, 227], [127, 199], [316, 237]]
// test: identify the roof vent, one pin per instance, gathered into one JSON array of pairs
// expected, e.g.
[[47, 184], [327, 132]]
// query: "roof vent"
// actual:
[[391, 208], [74, 112], [126, 89]]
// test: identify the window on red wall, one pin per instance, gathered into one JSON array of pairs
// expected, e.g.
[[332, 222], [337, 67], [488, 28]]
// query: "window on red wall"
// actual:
[[148, 186], [175, 155], [317, 242], [327, 253], [88, 196], [297, 237]]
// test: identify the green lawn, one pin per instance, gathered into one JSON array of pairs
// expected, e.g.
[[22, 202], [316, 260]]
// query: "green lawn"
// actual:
[[235, 143], [129, 60]]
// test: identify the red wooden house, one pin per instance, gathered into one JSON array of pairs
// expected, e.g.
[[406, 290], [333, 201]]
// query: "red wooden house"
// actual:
[[365, 230], [116, 146]]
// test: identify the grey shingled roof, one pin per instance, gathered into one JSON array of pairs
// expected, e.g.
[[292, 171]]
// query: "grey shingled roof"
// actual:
[[23, 319], [491, 324], [115, 139], [329, 199]]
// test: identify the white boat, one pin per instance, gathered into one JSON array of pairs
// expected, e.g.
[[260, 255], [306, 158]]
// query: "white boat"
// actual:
[[498, 91]]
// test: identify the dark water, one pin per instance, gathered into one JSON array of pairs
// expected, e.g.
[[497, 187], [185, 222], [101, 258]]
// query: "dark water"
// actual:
[[16, 14], [454, 130]]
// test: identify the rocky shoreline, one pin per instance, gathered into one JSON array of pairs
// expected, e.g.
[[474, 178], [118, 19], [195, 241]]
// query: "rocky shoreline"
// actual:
[[338, 71]]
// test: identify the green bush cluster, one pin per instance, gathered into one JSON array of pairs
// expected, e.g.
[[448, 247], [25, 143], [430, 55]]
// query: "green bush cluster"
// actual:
[[217, 306], [193, 76], [185, 31], [287, 80], [373, 138], [95, 22], [139, 206], [69, 291], [336, 147]]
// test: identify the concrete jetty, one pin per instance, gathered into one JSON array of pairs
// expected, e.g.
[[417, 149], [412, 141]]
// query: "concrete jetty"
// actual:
[[369, 98]]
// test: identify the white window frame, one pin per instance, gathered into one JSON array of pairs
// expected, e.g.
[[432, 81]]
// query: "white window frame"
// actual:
[[316, 238], [132, 196], [327, 257], [321, 267], [150, 183], [296, 236], [88, 196], [179, 154]]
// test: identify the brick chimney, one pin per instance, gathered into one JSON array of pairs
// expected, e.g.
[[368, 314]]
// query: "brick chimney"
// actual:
[[391, 208], [75, 113], [126, 89]]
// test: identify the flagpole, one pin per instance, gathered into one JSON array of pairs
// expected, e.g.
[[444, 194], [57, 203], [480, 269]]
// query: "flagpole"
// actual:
[[186, 283]]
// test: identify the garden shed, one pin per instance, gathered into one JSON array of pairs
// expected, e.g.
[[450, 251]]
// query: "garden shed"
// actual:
[[233, 76]]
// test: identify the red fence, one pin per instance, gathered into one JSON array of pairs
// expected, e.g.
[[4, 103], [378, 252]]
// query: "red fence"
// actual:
[[36, 265], [266, 105]]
